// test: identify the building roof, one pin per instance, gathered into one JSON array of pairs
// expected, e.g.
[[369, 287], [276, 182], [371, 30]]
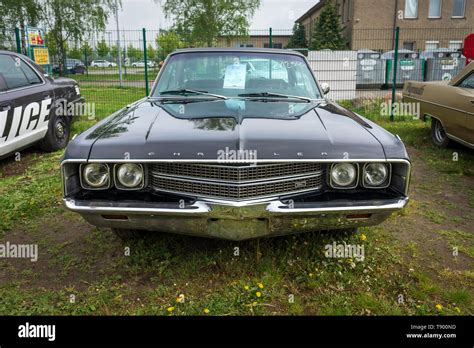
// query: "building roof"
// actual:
[[313, 9]]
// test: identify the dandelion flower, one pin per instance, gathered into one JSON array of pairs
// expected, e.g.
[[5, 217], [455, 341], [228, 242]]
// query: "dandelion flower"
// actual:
[[457, 309], [170, 309], [246, 287], [260, 285], [206, 311], [258, 294], [363, 237], [254, 303], [439, 307]]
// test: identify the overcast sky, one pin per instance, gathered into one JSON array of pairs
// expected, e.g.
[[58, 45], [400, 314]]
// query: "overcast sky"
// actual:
[[278, 14]]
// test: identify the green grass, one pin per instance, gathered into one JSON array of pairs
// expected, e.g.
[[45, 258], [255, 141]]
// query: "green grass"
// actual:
[[291, 273]]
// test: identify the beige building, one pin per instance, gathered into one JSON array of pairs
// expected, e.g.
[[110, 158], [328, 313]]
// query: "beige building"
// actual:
[[424, 24], [259, 41]]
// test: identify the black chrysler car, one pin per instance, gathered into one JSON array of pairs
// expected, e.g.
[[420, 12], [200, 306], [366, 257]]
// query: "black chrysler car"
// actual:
[[235, 144], [33, 106]]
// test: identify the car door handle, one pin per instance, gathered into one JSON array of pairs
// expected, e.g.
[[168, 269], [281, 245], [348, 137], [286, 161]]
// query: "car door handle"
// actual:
[[5, 107]]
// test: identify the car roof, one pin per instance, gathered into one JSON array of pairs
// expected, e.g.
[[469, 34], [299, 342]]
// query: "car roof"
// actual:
[[238, 49]]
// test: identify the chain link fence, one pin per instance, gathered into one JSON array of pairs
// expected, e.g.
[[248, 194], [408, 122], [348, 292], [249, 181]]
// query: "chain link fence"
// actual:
[[130, 60]]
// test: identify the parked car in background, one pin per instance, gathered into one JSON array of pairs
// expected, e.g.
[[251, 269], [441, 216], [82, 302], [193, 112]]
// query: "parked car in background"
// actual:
[[73, 66], [102, 64], [449, 104], [218, 151], [141, 64], [29, 105]]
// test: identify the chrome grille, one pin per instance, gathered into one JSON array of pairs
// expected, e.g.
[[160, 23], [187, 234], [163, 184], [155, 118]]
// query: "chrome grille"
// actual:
[[237, 172], [236, 182]]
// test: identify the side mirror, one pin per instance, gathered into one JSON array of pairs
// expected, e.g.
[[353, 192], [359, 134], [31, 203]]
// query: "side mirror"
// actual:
[[325, 87]]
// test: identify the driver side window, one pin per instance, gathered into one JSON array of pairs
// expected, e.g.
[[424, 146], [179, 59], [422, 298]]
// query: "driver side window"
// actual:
[[16, 73]]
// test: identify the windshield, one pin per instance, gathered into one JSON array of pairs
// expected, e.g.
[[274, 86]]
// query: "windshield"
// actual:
[[237, 74]]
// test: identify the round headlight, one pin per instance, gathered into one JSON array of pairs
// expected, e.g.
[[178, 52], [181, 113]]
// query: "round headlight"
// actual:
[[343, 174], [96, 175], [130, 175], [375, 174]]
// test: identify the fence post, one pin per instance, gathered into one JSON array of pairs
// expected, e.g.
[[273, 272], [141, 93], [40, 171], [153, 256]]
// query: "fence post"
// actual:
[[85, 60], [145, 58], [395, 66], [270, 44], [18, 40]]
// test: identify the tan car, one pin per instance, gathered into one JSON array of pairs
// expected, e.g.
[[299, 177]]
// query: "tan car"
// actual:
[[450, 104]]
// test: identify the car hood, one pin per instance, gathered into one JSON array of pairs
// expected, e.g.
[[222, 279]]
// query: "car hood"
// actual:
[[202, 131]]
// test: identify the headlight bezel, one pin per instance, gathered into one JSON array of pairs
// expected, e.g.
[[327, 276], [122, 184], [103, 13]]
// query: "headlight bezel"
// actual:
[[356, 178], [121, 186], [386, 183], [86, 185]]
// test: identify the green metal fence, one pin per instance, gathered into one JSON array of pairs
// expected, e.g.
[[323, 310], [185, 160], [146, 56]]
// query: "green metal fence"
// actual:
[[374, 65]]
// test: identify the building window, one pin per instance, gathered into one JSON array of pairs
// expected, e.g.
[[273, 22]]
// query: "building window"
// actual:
[[431, 45], [274, 44], [409, 45], [459, 6], [435, 9], [411, 8], [455, 45]]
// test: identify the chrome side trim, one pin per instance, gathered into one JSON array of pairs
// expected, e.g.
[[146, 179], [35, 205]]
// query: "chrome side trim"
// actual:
[[463, 142], [440, 105]]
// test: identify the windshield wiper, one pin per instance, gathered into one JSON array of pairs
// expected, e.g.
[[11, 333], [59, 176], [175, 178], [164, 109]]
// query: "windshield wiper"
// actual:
[[274, 95], [192, 91]]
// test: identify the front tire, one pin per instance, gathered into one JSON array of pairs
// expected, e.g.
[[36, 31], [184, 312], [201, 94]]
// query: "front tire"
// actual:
[[127, 234], [57, 137], [438, 134]]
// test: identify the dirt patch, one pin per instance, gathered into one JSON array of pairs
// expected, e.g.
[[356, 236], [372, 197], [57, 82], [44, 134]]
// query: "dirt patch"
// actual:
[[11, 166], [69, 254], [436, 206]]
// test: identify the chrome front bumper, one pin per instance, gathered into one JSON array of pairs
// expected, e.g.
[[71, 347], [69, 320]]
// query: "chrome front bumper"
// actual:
[[236, 221]]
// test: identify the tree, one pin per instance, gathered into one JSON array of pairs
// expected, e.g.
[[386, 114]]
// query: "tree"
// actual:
[[168, 41], [72, 19], [134, 53], [102, 49], [298, 39], [201, 22], [74, 53], [150, 52], [87, 51], [18, 13], [328, 30]]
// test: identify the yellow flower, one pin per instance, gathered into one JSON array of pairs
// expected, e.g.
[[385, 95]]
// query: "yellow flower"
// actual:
[[254, 303], [170, 309], [246, 287], [260, 285], [439, 307], [457, 309], [180, 298], [363, 237], [258, 294], [206, 310], [311, 275]]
